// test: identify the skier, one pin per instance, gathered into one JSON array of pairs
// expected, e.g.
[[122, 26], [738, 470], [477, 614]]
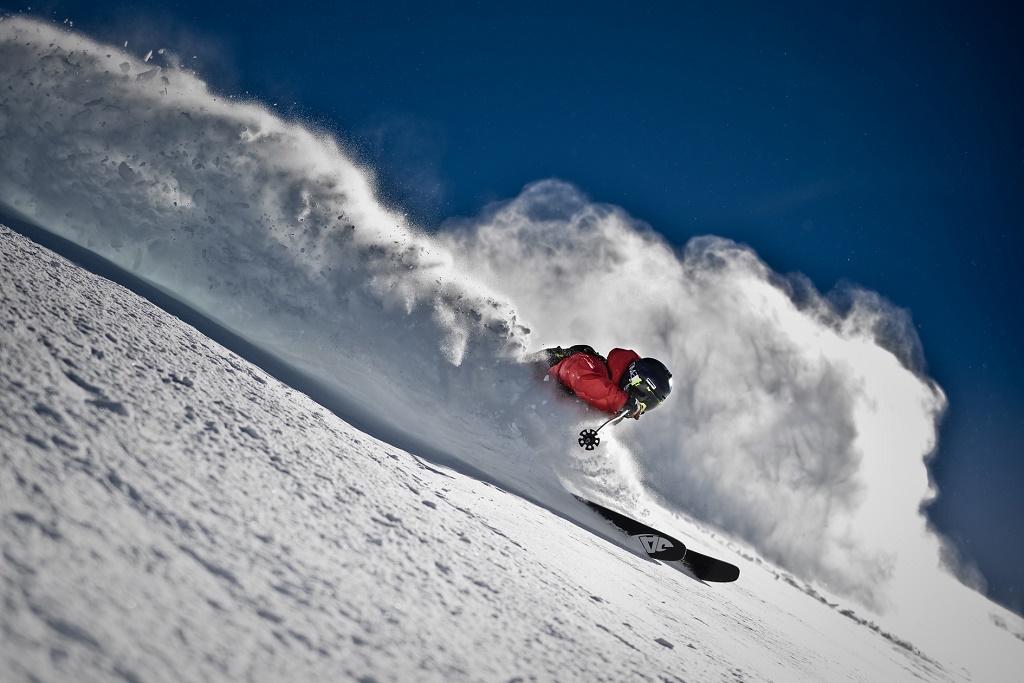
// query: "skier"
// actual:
[[622, 383]]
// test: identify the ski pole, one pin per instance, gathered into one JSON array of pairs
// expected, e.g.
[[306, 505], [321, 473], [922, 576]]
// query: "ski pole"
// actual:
[[589, 438]]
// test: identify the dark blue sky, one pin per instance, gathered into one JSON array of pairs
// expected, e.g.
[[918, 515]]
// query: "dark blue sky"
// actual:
[[873, 142]]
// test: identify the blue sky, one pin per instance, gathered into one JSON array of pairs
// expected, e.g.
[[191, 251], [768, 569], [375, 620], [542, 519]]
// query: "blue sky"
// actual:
[[877, 143]]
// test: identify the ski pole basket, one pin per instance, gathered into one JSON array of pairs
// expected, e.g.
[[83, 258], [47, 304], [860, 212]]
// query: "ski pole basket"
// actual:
[[589, 439]]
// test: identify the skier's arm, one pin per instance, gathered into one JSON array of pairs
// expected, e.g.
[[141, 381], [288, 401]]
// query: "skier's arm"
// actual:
[[588, 378]]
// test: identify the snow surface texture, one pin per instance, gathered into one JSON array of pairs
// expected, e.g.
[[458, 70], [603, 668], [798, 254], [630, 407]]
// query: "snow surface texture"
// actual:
[[799, 424], [170, 512]]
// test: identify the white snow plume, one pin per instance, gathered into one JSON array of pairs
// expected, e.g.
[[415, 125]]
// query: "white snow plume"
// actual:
[[216, 201], [793, 423], [263, 225]]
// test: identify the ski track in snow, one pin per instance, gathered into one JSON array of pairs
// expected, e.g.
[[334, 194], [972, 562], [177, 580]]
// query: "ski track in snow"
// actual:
[[170, 512]]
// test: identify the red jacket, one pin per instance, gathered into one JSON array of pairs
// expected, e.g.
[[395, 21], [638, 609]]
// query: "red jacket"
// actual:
[[588, 377]]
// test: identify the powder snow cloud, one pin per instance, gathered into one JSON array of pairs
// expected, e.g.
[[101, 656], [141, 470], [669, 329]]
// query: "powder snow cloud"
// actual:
[[801, 427], [799, 423]]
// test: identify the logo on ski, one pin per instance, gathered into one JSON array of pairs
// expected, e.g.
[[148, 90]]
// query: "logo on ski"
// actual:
[[654, 544]]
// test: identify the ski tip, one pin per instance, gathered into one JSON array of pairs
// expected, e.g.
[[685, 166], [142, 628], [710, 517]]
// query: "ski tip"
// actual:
[[710, 569]]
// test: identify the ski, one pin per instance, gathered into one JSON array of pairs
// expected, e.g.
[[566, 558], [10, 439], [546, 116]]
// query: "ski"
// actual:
[[657, 545], [661, 546]]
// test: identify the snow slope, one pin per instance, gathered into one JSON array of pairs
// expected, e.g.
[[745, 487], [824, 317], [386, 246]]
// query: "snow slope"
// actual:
[[171, 512]]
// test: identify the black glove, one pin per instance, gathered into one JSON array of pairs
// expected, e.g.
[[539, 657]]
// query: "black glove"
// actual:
[[634, 407]]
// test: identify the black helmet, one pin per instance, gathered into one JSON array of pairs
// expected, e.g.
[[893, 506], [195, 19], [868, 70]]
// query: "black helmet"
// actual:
[[648, 380]]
